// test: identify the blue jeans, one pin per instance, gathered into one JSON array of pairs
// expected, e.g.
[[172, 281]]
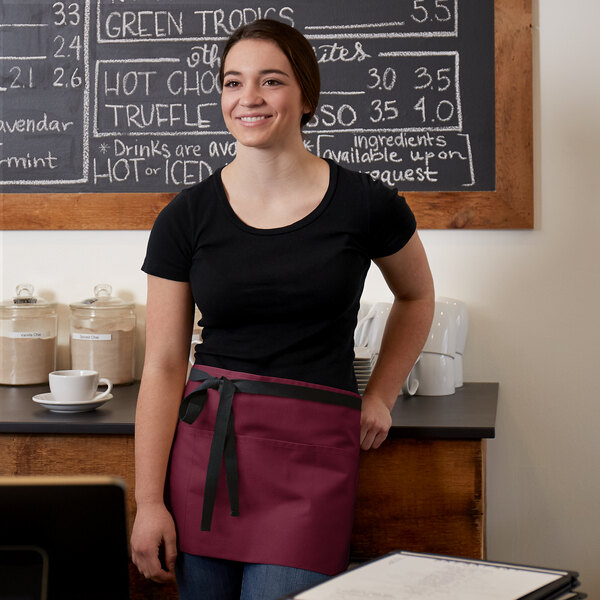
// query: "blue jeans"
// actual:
[[202, 578]]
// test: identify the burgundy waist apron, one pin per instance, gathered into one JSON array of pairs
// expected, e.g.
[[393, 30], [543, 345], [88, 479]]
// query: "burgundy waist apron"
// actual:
[[264, 470]]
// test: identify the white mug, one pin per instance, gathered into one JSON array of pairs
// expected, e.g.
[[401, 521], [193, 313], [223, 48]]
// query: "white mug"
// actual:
[[73, 386], [369, 329], [458, 370], [442, 335], [459, 313], [436, 375], [196, 339], [411, 385]]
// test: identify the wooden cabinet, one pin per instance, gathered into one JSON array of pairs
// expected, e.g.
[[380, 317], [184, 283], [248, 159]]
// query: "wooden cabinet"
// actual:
[[424, 489], [81, 454], [421, 495]]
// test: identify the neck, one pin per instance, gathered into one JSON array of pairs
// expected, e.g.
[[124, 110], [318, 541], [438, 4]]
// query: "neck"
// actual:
[[267, 170]]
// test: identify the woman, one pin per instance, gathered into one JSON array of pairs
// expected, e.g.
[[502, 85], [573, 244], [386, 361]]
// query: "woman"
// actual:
[[254, 496]]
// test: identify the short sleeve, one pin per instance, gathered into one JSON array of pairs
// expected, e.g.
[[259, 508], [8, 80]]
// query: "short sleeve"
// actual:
[[391, 221], [169, 251]]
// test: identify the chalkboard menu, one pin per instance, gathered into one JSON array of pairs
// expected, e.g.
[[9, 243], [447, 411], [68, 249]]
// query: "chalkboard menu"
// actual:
[[123, 95]]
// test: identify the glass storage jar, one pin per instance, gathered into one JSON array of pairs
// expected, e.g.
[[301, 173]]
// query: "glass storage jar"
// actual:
[[28, 330], [103, 335]]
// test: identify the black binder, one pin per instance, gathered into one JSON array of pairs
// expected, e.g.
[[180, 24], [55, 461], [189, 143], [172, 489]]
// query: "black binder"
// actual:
[[555, 584]]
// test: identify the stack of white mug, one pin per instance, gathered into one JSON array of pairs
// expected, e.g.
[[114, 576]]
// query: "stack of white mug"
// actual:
[[440, 365], [367, 337]]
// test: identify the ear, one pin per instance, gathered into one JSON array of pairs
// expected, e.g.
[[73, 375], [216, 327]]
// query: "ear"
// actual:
[[306, 110]]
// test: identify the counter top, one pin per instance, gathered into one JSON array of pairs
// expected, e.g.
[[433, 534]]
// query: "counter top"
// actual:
[[470, 413], [20, 414]]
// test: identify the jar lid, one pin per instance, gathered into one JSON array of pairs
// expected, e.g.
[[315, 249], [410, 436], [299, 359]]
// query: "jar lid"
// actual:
[[25, 299], [102, 299]]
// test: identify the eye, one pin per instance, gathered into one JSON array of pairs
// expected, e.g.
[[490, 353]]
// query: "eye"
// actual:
[[272, 82], [231, 83]]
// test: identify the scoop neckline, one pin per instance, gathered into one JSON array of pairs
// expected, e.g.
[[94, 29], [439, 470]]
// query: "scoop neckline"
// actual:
[[303, 222]]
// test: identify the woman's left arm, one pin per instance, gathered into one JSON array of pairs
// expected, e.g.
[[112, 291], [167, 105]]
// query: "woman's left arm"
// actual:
[[409, 278]]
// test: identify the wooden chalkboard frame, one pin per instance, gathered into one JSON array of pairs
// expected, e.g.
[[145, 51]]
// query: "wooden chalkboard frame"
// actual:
[[510, 206]]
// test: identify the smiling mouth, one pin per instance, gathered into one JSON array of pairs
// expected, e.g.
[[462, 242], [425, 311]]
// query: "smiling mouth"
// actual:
[[254, 119]]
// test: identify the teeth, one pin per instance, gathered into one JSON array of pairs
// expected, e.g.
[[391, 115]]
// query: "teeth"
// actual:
[[252, 119]]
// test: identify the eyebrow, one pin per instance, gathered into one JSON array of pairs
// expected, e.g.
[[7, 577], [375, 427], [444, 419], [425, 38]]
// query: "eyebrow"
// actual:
[[263, 72]]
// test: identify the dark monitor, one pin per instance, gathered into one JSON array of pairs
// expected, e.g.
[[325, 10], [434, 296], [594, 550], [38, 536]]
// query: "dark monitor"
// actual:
[[63, 538]]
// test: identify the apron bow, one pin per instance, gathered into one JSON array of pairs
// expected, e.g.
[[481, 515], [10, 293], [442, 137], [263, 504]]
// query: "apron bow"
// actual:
[[223, 442]]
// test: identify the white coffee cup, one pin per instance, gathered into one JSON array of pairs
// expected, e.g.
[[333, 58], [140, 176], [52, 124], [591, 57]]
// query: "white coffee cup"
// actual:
[[411, 385], [459, 313], [73, 386], [442, 335], [369, 329], [436, 374]]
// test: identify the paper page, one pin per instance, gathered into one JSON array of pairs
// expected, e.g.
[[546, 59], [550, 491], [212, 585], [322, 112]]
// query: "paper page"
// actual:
[[414, 577]]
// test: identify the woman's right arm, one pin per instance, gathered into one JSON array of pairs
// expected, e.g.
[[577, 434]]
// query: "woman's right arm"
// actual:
[[169, 317]]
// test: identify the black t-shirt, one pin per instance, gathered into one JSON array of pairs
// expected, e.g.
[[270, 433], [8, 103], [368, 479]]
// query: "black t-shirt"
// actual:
[[280, 302]]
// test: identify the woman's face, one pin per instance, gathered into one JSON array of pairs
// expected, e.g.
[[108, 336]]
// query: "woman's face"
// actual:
[[261, 101]]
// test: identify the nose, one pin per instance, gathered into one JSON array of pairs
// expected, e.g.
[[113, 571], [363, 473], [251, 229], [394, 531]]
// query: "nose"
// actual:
[[251, 96]]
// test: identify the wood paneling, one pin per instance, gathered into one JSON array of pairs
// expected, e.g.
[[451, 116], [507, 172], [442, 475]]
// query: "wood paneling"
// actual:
[[80, 211], [421, 495], [59, 454]]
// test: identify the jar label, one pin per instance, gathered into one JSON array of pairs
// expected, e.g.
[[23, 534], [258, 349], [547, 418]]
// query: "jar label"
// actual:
[[29, 334], [94, 337]]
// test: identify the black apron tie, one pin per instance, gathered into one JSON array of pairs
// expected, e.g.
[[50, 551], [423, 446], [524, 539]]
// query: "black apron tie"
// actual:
[[223, 441]]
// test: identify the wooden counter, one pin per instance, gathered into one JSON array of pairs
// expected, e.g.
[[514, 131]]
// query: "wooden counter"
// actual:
[[423, 490]]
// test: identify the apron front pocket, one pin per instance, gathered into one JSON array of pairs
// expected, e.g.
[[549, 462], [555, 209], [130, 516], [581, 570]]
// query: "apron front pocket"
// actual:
[[296, 504]]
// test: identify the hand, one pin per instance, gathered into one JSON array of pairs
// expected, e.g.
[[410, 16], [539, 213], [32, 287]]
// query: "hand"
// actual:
[[153, 527], [375, 422]]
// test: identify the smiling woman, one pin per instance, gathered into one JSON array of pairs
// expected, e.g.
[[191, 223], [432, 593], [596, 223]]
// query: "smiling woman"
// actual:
[[274, 249]]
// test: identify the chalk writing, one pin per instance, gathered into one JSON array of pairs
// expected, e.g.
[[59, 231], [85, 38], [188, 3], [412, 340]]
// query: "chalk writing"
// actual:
[[121, 96]]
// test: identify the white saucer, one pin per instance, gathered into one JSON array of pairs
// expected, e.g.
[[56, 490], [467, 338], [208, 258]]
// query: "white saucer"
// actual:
[[48, 401]]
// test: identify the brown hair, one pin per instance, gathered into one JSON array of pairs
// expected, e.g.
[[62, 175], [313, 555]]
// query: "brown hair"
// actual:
[[296, 48]]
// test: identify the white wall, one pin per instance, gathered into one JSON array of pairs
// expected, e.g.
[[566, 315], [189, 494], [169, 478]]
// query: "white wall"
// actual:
[[532, 296]]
